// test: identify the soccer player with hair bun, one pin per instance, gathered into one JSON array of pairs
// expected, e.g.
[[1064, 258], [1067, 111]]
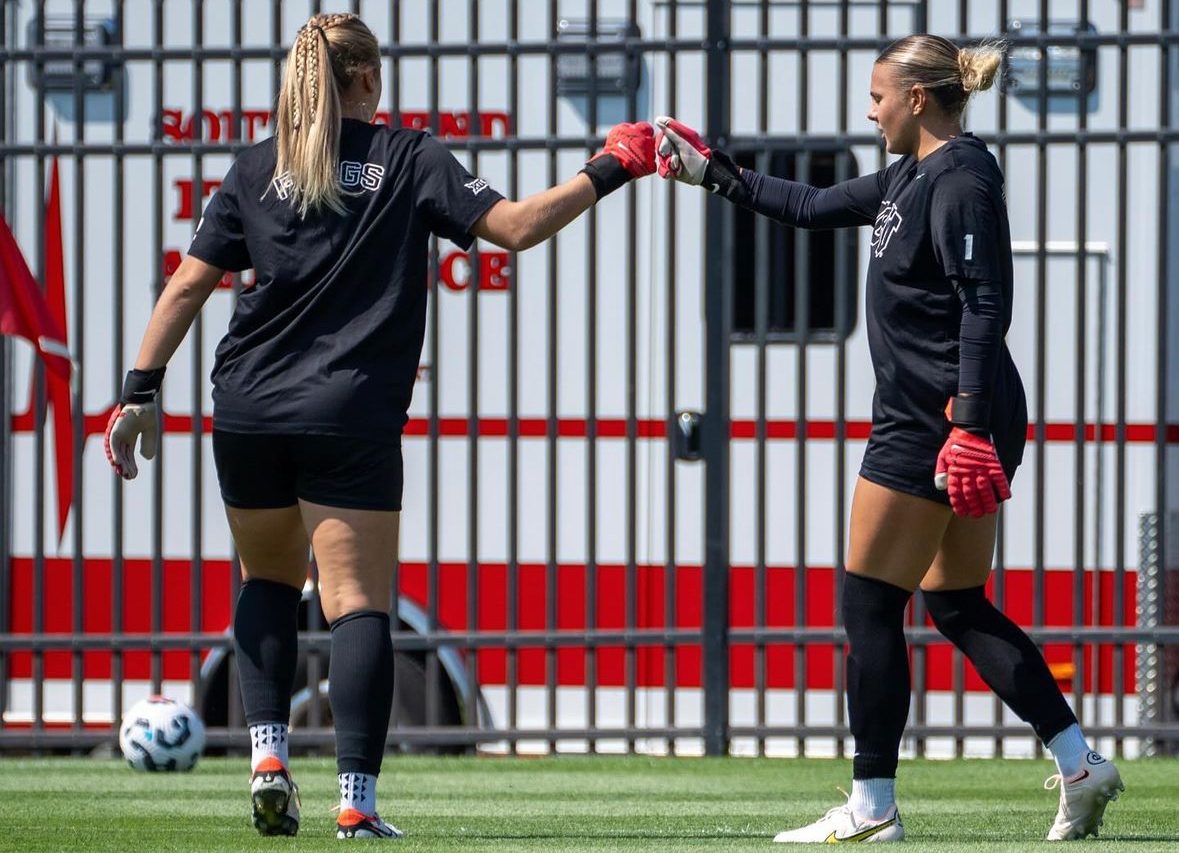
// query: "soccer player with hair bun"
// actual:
[[312, 381], [949, 420]]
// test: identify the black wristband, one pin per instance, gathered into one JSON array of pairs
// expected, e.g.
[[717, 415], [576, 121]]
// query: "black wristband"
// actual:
[[606, 174], [142, 386], [723, 177], [971, 413]]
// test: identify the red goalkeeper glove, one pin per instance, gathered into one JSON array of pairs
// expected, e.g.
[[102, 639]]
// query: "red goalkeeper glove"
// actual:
[[969, 471], [629, 153]]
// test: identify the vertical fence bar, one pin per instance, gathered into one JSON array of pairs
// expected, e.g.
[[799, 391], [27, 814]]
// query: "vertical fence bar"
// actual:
[[1162, 310], [197, 563], [432, 594], [552, 374], [118, 213], [276, 39], [957, 659], [632, 426], [513, 370], [1119, 591], [7, 128], [473, 383], [669, 578], [157, 521], [844, 292], [77, 391], [1041, 378], [718, 308], [802, 320], [998, 573], [39, 402], [591, 390], [1041, 322], [1079, 382], [761, 310]]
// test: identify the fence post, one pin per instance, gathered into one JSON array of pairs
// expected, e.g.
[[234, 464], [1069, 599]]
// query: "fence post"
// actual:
[[715, 438]]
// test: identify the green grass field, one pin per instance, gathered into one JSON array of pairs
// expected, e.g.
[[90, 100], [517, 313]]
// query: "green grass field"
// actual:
[[566, 803]]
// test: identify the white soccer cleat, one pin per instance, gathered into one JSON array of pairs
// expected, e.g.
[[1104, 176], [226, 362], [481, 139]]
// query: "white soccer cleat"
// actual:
[[355, 824], [841, 825], [1083, 798], [275, 798]]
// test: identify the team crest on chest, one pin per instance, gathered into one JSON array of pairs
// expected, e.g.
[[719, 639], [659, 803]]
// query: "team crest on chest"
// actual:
[[888, 222]]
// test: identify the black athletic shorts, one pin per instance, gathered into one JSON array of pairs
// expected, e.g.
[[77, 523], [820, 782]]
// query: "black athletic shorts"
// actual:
[[903, 457], [269, 471]]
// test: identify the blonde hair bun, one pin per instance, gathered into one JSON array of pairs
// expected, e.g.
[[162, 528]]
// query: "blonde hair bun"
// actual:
[[979, 65]]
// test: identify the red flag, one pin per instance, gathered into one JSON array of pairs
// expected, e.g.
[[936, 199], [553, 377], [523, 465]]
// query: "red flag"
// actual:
[[60, 396], [23, 309]]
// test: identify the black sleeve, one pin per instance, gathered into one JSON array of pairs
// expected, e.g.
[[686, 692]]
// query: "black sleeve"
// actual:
[[220, 239], [849, 203], [981, 335], [449, 197], [964, 225]]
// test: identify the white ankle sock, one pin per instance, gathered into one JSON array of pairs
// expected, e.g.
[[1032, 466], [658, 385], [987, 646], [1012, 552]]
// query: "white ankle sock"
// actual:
[[358, 791], [1069, 748], [268, 740], [872, 798]]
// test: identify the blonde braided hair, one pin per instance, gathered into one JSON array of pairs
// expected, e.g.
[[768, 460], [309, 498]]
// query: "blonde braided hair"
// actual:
[[327, 53]]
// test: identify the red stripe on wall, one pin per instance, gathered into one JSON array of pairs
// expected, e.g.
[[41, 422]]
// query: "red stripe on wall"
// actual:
[[532, 591], [650, 428]]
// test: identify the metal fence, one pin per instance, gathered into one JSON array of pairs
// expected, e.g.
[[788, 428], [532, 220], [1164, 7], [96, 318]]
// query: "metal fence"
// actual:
[[587, 563]]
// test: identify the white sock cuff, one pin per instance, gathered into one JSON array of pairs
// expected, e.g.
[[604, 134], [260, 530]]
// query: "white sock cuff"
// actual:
[[358, 791], [269, 739], [872, 798], [1069, 748]]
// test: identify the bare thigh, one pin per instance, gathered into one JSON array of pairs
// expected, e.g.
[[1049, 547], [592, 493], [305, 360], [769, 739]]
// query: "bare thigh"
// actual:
[[964, 558], [354, 551], [271, 544], [894, 537]]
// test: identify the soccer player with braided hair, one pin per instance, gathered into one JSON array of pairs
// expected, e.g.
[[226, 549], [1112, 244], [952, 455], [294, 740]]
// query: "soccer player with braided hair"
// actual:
[[312, 381], [949, 420]]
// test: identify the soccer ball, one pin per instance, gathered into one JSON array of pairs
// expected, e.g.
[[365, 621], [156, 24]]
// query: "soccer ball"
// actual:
[[159, 733]]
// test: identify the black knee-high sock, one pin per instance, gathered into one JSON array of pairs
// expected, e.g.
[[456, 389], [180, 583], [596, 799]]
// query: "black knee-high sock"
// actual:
[[1004, 656], [877, 673], [266, 637], [360, 678]]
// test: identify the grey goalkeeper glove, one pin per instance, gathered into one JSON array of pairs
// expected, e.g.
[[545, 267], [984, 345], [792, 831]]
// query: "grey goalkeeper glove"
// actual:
[[681, 154], [134, 419]]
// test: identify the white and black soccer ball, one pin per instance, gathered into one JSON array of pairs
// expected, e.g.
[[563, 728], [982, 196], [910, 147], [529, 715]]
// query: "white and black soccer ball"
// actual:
[[159, 733]]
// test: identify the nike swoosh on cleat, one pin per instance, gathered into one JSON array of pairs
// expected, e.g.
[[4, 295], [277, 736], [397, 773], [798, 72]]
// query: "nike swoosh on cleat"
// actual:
[[1084, 775], [834, 838]]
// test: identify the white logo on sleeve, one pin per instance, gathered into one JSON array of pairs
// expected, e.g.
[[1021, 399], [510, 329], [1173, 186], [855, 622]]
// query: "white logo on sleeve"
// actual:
[[282, 185], [888, 222], [476, 186], [969, 247]]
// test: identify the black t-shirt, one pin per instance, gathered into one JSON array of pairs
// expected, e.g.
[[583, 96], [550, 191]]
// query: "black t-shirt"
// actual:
[[941, 223], [328, 338]]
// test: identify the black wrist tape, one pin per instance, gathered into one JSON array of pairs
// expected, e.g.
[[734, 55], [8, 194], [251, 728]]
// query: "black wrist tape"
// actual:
[[723, 176], [971, 413], [142, 386], [606, 174]]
